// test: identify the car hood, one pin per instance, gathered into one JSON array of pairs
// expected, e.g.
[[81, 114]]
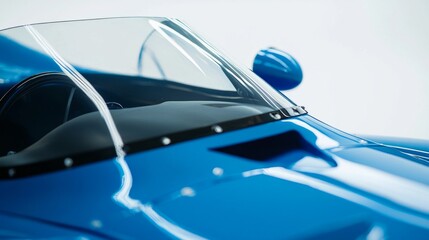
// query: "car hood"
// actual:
[[295, 178]]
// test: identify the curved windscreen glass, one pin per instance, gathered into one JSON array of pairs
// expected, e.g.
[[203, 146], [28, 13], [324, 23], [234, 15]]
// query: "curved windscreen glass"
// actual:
[[84, 87]]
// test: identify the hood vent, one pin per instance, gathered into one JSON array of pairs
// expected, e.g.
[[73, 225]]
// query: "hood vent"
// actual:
[[289, 148]]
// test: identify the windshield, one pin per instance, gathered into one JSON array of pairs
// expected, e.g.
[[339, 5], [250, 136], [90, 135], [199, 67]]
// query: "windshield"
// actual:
[[85, 89]]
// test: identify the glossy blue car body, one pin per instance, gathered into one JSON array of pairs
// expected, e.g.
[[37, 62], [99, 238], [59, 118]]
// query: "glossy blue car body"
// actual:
[[292, 178]]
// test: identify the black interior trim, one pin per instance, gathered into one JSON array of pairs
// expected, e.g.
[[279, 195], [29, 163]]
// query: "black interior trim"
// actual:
[[10, 168]]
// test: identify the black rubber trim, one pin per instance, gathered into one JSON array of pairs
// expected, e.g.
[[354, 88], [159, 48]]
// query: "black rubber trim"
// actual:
[[55, 164]]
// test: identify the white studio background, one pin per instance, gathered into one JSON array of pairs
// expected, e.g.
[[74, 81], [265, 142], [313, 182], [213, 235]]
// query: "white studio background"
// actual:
[[365, 63]]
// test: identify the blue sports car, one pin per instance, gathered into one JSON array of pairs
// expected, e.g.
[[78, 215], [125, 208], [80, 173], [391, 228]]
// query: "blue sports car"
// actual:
[[136, 128]]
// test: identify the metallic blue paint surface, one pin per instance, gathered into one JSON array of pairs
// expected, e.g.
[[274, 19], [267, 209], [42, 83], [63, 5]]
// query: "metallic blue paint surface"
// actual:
[[335, 186], [190, 190]]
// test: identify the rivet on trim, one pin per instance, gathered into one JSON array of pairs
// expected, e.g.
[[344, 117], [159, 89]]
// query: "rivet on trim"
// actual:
[[217, 129], [165, 140], [68, 162]]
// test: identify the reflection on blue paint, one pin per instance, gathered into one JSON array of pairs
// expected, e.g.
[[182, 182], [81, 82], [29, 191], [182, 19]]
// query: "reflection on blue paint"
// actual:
[[123, 198]]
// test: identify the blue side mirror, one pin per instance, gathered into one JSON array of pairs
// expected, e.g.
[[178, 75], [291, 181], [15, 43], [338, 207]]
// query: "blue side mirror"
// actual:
[[277, 68]]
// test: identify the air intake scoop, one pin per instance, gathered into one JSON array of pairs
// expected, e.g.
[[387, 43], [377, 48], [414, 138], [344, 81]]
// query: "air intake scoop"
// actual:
[[289, 149]]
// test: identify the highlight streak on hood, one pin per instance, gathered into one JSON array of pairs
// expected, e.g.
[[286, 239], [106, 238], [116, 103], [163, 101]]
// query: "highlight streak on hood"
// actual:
[[292, 176], [382, 184]]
